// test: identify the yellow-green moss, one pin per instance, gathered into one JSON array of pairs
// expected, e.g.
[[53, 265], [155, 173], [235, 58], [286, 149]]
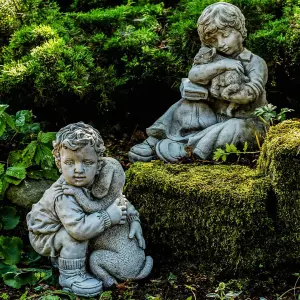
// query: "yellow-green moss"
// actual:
[[280, 159], [212, 215]]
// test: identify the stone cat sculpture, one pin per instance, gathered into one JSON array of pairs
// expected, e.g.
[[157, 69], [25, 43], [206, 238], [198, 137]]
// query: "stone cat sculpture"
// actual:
[[225, 84]]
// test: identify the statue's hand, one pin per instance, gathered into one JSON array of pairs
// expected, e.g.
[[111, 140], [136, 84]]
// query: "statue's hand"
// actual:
[[232, 64], [117, 214], [136, 231], [71, 190]]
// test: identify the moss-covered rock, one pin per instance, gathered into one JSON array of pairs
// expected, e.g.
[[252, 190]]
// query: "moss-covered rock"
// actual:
[[280, 160], [28, 192], [215, 216]]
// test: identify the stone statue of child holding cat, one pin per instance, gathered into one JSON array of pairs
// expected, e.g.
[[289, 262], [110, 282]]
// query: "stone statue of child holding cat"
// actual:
[[235, 78], [85, 207]]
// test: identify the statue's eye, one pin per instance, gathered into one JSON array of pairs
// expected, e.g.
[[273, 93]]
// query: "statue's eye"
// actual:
[[88, 162], [68, 162]]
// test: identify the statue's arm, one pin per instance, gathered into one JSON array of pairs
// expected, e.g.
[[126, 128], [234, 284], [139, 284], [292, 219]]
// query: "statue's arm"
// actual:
[[135, 229], [203, 74], [78, 224], [252, 90]]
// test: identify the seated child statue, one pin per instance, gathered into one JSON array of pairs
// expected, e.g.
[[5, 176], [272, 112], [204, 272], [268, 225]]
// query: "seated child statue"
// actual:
[[85, 207], [235, 79]]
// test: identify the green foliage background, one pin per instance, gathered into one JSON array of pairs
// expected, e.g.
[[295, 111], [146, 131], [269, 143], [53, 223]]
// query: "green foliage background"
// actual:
[[101, 59]]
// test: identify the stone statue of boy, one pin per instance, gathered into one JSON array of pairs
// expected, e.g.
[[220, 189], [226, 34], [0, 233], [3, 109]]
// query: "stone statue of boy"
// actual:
[[206, 124], [72, 212]]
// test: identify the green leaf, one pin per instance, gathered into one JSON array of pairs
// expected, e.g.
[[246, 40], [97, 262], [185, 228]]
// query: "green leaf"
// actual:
[[2, 126], [30, 256], [212, 295], [1, 169], [44, 157], [3, 186], [24, 296], [11, 249], [6, 268], [29, 153], [3, 107], [51, 174], [227, 148], [15, 174], [17, 279], [172, 277], [25, 114], [233, 148], [14, 157], [20, 121], [224, 157], [9, 120], [245, 147], [35, 174], [46, 137], [9, 217], [50, 297], [34, 127], [233, 294], [218, 154]]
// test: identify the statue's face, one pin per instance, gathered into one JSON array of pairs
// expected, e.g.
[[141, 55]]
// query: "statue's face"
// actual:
[[228, 41], [79, 167]]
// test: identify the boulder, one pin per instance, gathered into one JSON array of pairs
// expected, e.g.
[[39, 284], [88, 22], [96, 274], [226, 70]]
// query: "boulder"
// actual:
[[28, 192]]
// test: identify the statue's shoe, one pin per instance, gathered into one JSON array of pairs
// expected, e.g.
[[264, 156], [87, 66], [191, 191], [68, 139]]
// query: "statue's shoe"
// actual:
[[170, 151], [144, 151], [74, 278]]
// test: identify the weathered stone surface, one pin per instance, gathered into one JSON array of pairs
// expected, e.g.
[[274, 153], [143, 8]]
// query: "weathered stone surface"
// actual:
[[226, 84], [29, 192], [85, 207]]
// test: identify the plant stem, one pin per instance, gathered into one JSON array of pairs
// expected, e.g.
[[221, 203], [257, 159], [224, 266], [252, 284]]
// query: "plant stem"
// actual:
[[294, 288]]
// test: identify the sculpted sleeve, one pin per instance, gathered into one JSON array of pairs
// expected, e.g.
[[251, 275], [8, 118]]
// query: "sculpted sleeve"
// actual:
[[257, 72], [78, 224]]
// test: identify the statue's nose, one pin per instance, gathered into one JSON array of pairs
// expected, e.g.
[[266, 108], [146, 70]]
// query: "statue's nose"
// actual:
[[221, 43], [79, 168]]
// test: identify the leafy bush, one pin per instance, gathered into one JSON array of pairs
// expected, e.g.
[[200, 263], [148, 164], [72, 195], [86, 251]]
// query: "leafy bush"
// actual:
[[9, 20], [29, 152], [105, 56], [25, 151]]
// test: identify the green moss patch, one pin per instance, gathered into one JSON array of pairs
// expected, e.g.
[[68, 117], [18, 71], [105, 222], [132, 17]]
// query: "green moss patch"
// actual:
[[214, 216], [280, 159]]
